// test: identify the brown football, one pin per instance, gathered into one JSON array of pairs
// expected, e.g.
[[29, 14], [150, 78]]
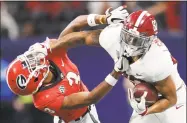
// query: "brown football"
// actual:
[[152, 94]]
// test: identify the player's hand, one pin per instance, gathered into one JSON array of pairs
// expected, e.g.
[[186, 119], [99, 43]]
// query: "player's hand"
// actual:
[[117, 15], [140, 107], [40, 49], [121, 65]]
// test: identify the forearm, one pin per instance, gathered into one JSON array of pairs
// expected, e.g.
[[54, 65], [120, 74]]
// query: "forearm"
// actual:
[[167, 88], [69, 41], [95, 95], [82, 99], [99, 92], [160, 106], [102, 89], [81, 21], [76, 39]]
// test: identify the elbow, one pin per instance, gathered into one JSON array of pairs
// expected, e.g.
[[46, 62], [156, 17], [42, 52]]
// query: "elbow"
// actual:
[[173, 101], [92, 101], [95, 101]]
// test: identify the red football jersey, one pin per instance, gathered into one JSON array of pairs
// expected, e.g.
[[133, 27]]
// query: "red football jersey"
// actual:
[[65, 82]]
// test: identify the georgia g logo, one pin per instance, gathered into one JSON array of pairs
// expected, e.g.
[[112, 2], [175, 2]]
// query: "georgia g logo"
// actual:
[[21, 80]]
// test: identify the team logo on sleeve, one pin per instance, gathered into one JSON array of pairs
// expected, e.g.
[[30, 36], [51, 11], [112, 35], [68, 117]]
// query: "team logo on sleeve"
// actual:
[[62, 89], [21, 81]]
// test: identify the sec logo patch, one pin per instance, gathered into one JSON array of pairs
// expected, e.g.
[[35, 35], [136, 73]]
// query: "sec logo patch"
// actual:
[[62, 89]]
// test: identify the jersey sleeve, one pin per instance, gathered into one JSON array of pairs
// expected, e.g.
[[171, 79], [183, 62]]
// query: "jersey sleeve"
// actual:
[[109, 39]]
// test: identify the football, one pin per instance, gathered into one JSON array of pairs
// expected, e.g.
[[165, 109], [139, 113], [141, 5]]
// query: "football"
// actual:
[[152, 94]]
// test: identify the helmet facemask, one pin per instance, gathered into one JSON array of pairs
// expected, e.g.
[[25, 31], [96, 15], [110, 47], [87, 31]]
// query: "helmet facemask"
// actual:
[[134, 43], [36, 66]]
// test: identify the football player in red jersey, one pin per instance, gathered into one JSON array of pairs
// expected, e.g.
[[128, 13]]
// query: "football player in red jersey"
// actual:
[[46, 72]]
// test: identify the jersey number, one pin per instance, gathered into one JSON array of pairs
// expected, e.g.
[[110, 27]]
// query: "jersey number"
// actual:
[[73, 77]]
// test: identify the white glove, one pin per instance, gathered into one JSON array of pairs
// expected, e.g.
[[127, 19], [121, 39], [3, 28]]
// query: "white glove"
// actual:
[[121, 65], [140, 107], [117, 15], [40, 49]]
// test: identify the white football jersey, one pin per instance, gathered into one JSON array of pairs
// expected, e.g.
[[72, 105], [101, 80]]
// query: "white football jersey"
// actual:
[[154, 66]]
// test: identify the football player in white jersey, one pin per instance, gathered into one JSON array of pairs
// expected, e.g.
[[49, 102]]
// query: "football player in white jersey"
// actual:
[[150, 61]]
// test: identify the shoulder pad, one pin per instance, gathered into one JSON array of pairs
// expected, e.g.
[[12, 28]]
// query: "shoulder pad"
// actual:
[[109, 39]]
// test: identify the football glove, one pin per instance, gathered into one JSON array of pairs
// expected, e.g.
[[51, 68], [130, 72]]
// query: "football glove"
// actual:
[[117, 15], [40, 49], [140, 107], [121, 65]]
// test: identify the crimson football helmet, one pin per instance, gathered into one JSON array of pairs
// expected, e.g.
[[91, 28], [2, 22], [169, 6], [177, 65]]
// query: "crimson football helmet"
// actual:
[[26, 73], [138, 32]]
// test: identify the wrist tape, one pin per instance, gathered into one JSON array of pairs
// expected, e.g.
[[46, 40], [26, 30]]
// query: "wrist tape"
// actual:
[[111, 80], [91, 20]]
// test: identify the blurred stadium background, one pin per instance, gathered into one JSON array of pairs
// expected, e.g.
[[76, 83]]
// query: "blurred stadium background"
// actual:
[[24, 23]]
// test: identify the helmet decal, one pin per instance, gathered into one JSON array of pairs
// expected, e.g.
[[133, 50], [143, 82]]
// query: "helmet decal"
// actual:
[[62, 89], [21, 81]]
